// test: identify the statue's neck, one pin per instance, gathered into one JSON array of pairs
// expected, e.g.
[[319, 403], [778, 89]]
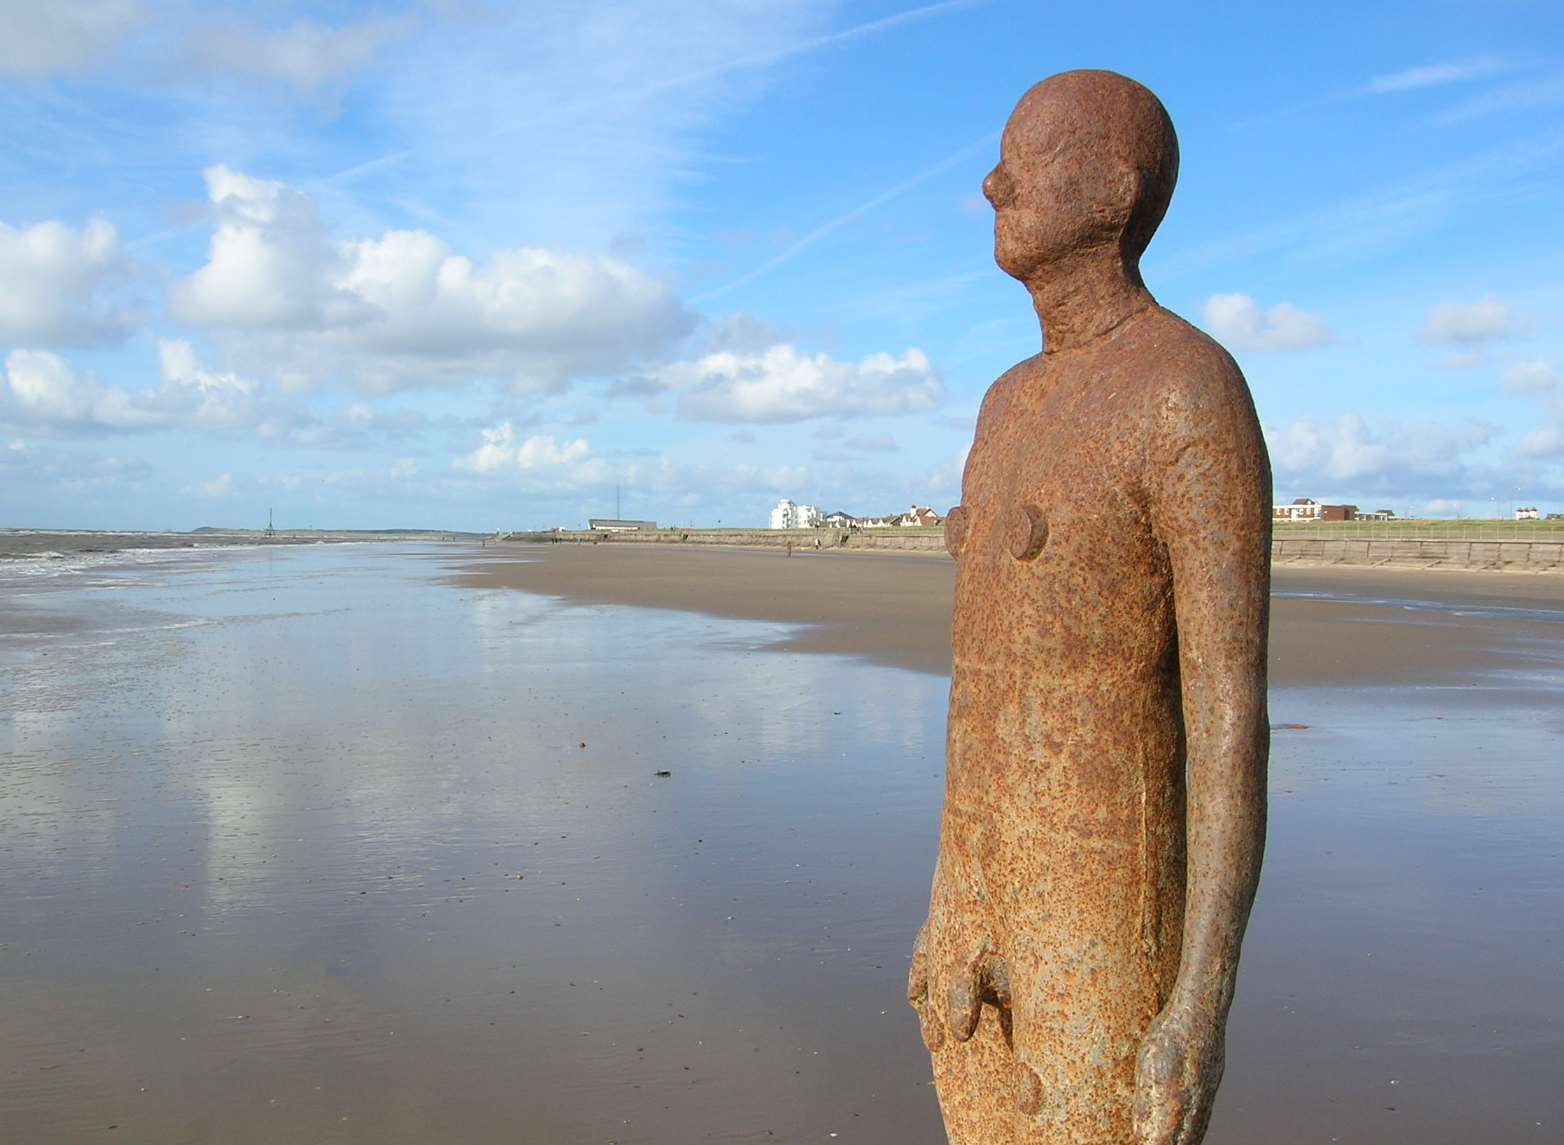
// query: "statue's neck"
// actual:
[[1086, 299]]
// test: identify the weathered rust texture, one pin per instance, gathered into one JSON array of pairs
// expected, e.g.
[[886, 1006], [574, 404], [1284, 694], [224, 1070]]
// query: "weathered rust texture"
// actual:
[[1105, 796]]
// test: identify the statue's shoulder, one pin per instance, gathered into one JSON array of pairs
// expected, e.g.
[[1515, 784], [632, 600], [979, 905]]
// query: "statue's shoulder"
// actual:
[[1196, 388], [999, 393]]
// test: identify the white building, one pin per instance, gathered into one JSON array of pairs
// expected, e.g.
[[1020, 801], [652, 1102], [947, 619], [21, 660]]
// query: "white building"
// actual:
[[1526, 514], [1302, 509], [788, 515]]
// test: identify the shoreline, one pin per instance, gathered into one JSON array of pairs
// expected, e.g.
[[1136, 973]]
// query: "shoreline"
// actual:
[[1330, 625]]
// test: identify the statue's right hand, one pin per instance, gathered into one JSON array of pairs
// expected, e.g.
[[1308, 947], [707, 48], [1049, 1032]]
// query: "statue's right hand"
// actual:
[[948, 989], [918, 992]]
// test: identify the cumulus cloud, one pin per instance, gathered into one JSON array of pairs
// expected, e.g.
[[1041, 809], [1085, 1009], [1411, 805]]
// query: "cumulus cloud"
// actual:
[[1468, 323], [1395, 457], [42, 388], [1238, 322], [1535, 376], [270, 263], [219, 487], [38, 38], [539, 461], [784, 384], [53, 284], [403, 310]]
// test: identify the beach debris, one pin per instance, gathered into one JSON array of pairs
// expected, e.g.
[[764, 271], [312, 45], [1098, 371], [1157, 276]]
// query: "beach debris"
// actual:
[[663, 774]]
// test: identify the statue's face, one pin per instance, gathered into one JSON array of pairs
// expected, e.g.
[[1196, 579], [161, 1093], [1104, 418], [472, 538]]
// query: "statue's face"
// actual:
[[1050, 198]]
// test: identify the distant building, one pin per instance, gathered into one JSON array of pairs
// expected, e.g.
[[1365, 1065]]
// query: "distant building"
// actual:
[[887, 522], [1527, 514], [1302, 509], [1378, 515], [1338, 512], [790, 515], [839, 520], [920, 516], [609, 525]]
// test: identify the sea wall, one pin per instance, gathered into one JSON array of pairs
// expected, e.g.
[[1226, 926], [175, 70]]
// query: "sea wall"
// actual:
[[870, 540], [1519, 555], [1407, 552]]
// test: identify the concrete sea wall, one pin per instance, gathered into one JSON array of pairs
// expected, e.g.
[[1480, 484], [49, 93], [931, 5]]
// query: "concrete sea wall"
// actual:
[[1513, 555], [1517, 555], [863, 540]]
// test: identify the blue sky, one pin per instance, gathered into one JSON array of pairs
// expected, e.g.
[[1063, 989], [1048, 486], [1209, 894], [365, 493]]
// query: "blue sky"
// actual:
[[443, 264]]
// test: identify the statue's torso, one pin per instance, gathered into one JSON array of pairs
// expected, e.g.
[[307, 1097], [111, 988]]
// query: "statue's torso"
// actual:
[[1065, 740]]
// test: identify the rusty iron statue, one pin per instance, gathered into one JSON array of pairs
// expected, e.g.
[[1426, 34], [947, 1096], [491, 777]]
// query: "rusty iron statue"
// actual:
[[1105, 796]]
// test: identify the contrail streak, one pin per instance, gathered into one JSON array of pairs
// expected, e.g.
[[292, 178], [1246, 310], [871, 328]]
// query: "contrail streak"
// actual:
[[858, 212], [743, 63]]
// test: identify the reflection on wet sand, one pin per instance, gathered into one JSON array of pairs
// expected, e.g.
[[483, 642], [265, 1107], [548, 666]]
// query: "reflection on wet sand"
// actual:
[[310, 846]]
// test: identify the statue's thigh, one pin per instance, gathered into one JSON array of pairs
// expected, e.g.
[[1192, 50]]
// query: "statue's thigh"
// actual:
[[976, 1084]]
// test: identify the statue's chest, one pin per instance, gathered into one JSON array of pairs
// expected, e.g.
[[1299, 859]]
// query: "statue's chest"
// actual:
[[1049, 487]]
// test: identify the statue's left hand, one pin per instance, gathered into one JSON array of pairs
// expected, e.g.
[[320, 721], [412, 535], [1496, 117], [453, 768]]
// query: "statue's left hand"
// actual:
[[1176, 1076]]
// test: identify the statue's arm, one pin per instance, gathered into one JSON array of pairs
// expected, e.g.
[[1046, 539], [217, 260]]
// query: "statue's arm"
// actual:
[[1211, 507]]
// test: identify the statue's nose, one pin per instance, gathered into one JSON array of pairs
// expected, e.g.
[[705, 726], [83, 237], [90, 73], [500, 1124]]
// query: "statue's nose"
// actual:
[[997, 187]]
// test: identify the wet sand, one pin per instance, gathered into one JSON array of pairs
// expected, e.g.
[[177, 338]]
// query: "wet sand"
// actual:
[[262, 817], [1328, 626]]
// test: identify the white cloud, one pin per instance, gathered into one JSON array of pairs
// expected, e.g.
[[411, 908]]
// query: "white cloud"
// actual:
[[1237, 321], [404, 468], [1434, 75], [1543, 93], [1535, 376], [403, 310], [1545, 442], [220, 486], [200, 397], [784, 384], [41, 388], [38, 37], [309, 57], [1346, 449], [872, 442], [270, 263], [538, 462], [945, 481], [1468, 323], [52, 284]]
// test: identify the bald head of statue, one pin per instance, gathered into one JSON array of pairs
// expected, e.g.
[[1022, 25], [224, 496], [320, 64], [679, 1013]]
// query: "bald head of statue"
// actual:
[[1087, 166]]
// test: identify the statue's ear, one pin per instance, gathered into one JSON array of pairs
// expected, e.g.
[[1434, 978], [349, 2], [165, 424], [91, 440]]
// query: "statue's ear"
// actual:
[[1127, 186]]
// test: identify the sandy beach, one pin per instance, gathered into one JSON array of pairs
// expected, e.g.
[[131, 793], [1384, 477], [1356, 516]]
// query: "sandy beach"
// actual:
[[1328, 625], [364, 843]]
